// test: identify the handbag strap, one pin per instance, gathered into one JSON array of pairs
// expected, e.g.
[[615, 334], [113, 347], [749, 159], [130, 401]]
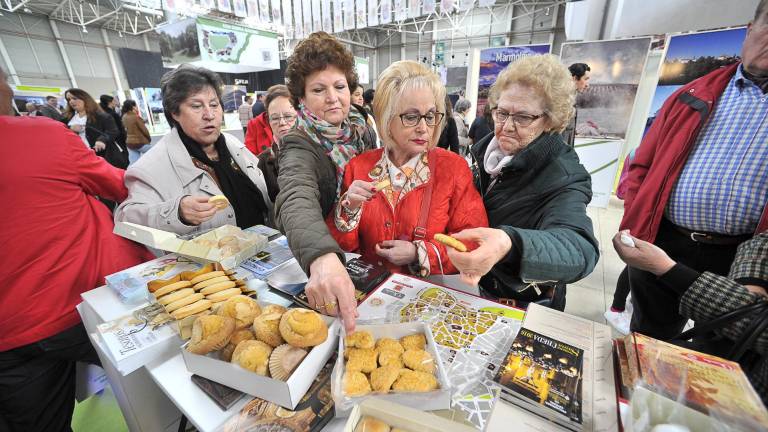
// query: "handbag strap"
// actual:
[[420, 231], [723, 320], [748, 338]]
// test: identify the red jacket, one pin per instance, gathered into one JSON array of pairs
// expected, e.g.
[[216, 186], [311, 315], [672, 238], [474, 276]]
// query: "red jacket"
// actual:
[[455, 205], [664, 150], [258, 136], [56, 237]]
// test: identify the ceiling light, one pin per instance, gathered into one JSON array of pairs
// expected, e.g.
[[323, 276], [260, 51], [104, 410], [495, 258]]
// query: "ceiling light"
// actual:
[[85, 30], [120, 34], [27, 10]]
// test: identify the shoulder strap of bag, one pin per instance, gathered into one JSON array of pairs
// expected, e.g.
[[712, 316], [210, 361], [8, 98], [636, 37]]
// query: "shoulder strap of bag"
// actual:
[[420, 232]]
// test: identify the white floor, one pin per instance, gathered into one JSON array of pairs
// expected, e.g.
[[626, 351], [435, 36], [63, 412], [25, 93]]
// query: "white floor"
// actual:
[[591, 296]]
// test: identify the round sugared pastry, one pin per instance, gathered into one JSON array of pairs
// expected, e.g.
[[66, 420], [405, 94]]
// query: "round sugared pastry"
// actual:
[[210, 333], [303, 328], [253, 355]]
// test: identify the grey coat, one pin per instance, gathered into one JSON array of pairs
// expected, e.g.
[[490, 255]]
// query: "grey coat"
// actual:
[[165, 174]]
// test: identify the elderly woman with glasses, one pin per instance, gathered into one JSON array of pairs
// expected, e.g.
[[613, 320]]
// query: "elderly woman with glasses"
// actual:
[[395, 199], [534, 189]]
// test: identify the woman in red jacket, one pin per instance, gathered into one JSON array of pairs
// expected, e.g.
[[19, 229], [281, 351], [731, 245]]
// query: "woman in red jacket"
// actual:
[[394, 200]]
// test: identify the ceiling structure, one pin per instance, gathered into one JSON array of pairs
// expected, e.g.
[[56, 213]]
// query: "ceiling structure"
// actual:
[[141, 16]]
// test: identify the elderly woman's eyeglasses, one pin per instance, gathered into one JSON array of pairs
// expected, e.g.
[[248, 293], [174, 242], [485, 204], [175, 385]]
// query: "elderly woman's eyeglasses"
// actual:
[[288, 118], [412, 119], [521, 120]]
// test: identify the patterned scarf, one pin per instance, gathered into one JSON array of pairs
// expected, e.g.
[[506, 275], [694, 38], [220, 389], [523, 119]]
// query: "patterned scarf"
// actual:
[[341, 143]]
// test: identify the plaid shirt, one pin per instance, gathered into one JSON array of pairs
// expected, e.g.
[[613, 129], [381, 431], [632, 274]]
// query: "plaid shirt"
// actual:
[[723, 187]]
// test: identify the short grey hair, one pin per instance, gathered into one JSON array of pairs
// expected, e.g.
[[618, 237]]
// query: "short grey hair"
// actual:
[[184, 81], [462, 106]]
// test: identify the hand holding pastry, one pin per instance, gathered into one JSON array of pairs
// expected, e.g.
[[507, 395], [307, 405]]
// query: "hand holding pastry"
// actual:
[[494, 245], [194, 210], [358, 193], [331, 291]]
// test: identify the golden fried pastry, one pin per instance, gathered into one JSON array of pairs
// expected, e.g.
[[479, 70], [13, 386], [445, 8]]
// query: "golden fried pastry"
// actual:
[[284, 360], [178, 295], [382, 378], [389, 345], [167, 289], [390, 358], [156, 284], [224, 295], [415, 381], [274, 309], [206, 276], [252, 355], [418, 341], [266, 328], [219, 201], [192, 309], [359, 339], [178, 304], [237, 337], [227, 240], [355, 384], [360, 359], [419, 360], [242, 308], [451, 242], [303, 328], [210, 333], [212, 281], [370, 424], [221, 286], [397, 429]]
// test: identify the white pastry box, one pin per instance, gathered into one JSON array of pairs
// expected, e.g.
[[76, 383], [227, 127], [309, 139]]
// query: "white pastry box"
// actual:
[[438, 399], [205, 248], [287, 394], [403, 417]]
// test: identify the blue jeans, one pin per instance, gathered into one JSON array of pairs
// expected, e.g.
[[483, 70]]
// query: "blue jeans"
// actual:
[[134, 155]]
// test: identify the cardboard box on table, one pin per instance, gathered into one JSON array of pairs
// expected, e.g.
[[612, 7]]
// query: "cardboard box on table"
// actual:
[[284, 393], [438, 399], [170, 242], [404, 417]]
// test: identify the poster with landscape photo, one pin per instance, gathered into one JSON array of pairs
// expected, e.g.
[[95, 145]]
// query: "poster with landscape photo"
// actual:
[[178, 43], [494, 60], [616, 66], [691, 56]]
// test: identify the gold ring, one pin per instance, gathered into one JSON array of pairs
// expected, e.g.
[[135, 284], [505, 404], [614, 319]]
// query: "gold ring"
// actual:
[[329, 306]]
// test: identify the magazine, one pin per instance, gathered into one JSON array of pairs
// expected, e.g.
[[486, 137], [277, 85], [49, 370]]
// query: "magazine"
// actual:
[[131, 284], [272, 257]]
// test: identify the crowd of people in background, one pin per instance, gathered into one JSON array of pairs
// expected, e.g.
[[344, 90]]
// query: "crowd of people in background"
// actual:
[[341, 169]]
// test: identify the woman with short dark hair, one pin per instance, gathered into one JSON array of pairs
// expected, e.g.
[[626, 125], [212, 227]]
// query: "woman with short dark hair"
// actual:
[[328, 133], [137, 136], [96, 128], [169, 187]]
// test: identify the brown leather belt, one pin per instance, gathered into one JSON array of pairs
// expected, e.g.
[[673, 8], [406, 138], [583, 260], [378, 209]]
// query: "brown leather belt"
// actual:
[[712, 238]]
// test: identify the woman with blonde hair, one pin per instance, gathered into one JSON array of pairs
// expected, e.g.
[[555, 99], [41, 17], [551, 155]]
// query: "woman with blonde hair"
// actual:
[[395, 199], [534, 188]]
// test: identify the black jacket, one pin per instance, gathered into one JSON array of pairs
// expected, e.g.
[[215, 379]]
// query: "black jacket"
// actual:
[[449, 138], [540, 200], [102, 128]]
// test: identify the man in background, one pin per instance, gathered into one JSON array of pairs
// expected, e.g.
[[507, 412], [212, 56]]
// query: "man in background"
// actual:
[[258, 106], [580, 72], [51, 108], [244, 110]]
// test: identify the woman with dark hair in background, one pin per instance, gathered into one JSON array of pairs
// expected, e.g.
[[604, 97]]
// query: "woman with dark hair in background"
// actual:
[[169, 187], [449, 138], [329, 132], [137, 136], [482, 126], [109, 105], [96, 128]]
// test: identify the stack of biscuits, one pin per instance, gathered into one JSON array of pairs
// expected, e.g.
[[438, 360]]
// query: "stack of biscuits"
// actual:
[[387, 365], [192, 293], [372, 424], [270, 341]]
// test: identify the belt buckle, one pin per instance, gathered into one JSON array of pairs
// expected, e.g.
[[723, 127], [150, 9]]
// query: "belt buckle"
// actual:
[[695, 234]]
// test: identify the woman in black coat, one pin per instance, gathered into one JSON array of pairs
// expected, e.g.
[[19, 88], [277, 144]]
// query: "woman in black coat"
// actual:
[[96, 128]]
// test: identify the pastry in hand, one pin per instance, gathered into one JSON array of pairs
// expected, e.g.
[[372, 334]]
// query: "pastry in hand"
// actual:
[[242, 308], [210, 333], [355, 384], [303, 328], [419, 360], [370, 424], [253, 355], [390, 358], [418, 341], [382, 378], [284, 360], [266, 327], [237, 337], [415, 381], [389, 345], [359, 339], [360, 359]]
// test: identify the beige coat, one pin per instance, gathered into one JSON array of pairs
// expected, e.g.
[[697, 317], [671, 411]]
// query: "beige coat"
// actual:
[[165, 174]]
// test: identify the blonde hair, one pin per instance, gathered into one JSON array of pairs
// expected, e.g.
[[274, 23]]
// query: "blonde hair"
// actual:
[[550, 78], [393, 83]]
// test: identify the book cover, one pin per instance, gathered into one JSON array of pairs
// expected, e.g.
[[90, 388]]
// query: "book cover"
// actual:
[[132, 334], [224, 396], [365, 276], [312, 413], [543, 372], [131, 284], [708, 384], [267, 261]]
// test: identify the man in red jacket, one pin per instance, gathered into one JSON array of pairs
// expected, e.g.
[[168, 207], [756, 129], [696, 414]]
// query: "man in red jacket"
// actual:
[[57, 242], [698, 185]]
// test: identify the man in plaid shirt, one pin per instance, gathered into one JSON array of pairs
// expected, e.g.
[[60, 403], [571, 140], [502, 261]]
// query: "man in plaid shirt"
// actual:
[[698, 185]]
